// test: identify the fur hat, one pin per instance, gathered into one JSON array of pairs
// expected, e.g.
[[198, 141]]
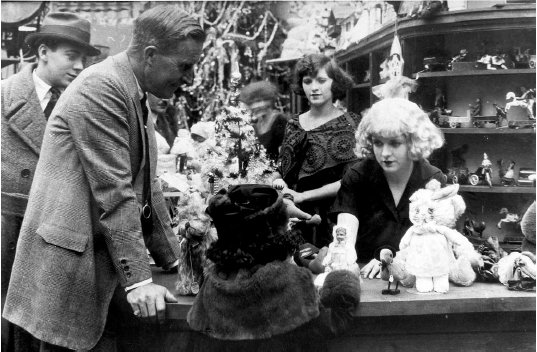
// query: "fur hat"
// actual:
[[251, 221]]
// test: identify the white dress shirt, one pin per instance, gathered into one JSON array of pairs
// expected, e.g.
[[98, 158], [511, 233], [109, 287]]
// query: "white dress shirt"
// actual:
[[42, 89]]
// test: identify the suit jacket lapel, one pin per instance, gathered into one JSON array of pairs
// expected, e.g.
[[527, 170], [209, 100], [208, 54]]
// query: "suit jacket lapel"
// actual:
[[26, 118], [127, 73]]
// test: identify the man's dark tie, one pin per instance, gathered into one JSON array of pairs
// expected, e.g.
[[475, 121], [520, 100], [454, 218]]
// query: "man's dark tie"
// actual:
[[54, 96], [145, 112]]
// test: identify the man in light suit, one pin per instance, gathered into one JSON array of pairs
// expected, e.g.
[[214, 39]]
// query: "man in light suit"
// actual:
[[95, 203], [28, 97]]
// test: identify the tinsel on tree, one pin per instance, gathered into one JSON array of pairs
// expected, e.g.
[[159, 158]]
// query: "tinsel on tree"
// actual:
[[239, 34]]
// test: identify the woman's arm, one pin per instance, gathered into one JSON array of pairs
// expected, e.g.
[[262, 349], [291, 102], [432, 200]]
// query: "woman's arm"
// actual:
[[326, 191]]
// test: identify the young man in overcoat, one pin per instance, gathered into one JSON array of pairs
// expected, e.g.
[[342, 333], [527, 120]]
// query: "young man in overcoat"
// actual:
[[28, 97]]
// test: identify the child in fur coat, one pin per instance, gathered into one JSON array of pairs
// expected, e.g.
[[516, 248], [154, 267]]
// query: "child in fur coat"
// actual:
[[254, 297]]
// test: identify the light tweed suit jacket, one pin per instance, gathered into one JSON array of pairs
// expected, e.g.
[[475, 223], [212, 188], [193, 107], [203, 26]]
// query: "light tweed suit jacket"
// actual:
[[81, 234]]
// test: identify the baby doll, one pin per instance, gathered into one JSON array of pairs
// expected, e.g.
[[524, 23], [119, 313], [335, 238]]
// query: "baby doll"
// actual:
[[431, 243], [339, 256]]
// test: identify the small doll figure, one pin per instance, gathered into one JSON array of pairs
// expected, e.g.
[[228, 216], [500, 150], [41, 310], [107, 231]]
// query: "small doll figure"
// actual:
[[339, 256], [486, 170], [436, 253], [483, 173]]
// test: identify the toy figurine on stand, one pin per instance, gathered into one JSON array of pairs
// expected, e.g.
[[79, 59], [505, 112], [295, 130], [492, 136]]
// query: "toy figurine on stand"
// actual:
[[483, 173], [507, 175], [393, 270]]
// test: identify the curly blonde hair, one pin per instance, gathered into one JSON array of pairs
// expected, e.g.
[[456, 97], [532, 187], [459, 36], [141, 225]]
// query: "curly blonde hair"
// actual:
[[393, 117]]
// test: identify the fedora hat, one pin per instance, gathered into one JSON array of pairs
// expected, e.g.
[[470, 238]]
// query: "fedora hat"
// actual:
[[65, 26]]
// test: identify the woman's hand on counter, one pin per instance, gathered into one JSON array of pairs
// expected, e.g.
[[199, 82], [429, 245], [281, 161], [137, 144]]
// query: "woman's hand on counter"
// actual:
[[371, 270]]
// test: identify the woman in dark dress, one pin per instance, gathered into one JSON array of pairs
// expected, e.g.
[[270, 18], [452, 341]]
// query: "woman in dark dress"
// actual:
[[318, 145], [372, 203]]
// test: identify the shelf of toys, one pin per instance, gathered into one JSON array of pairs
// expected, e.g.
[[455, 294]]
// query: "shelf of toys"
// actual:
[[475, 70]]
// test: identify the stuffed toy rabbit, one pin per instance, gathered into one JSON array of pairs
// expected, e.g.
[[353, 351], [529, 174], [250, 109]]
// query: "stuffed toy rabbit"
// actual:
[[435, 252]]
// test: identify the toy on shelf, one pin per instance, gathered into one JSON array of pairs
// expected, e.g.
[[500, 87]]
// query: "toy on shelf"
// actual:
[[526, 177], [457, 175], [491, 253], [435, 252], [525, 101], [483, 173], [507, 175], [501, 116], [461, 62], [517, 271], [475, 108], [494, 62], [507, 217], [474, 229]]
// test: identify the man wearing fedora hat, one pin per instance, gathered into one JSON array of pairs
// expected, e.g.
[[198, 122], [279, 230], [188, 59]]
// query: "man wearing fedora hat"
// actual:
[[95, 204], [28, 97]]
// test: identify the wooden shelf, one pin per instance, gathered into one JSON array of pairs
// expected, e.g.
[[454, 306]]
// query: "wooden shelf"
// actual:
[[488, 131], [438, 74], [497, 189], [508, 17]]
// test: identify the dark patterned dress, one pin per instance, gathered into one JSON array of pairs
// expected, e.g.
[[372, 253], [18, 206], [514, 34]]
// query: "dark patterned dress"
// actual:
[[311, 159]]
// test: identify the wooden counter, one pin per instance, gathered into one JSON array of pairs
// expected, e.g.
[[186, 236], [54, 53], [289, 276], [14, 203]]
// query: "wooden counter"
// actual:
[[482, 317]]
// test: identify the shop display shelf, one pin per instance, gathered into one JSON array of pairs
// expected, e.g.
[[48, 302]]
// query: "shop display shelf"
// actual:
[[497, 189], [439, 74], [475, 130]]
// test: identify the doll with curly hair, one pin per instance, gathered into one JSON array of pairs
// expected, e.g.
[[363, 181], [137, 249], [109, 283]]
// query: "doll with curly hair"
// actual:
[[396, 137]]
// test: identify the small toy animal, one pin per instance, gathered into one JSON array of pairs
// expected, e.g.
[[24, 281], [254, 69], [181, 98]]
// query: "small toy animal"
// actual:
[[507, 217], [525, 101], [393, 270]]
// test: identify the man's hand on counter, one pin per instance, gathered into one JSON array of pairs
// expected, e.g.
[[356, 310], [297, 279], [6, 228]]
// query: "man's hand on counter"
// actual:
[[149, 301]]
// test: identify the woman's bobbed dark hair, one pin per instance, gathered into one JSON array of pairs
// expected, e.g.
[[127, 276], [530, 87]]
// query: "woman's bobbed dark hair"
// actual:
[[310, 65]]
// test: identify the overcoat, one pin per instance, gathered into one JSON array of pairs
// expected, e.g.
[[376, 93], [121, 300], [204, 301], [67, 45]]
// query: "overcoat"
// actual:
[[82, 235], [23, 126]]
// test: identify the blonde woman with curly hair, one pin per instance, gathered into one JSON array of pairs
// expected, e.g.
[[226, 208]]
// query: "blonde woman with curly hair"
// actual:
[[395, 137]]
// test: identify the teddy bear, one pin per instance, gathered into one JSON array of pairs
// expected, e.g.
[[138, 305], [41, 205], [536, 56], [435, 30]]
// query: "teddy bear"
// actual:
[[436, 253]]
